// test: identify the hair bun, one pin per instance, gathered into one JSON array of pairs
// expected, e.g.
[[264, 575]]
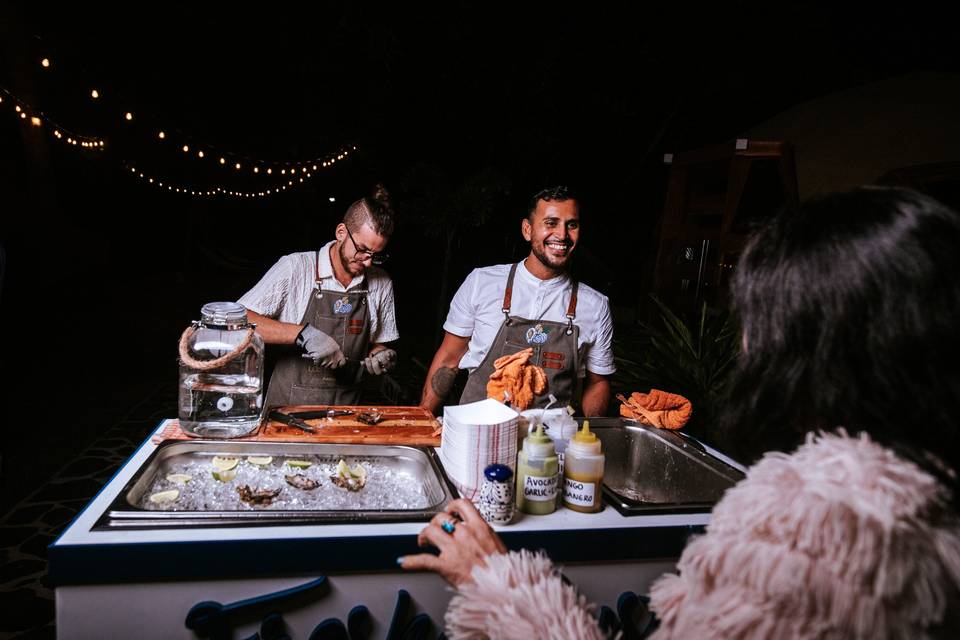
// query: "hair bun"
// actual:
[[380, 195]]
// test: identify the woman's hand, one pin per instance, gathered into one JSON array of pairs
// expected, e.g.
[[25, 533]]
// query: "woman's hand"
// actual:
[[464, 544]]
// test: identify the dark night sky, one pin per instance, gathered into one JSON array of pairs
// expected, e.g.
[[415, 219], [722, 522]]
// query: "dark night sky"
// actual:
[[516, 97]]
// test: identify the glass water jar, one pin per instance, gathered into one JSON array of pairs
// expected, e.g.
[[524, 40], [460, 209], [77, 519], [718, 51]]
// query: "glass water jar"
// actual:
[[221, 374]]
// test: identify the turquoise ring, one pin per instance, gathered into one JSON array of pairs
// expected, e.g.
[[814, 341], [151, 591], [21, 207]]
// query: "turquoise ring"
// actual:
[[448, 526]]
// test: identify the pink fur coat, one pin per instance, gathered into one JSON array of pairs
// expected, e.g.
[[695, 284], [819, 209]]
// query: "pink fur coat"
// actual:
[[840, 539]]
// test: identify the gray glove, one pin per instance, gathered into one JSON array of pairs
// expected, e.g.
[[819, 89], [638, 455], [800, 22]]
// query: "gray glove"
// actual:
[[380, 362], [320, 347]]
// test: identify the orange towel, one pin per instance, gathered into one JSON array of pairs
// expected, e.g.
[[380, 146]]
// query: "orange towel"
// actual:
[[512, 375], [657, 408]]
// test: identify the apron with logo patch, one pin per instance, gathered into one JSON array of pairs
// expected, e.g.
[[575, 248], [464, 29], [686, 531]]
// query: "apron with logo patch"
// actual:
[[555, 348], [344, 317]]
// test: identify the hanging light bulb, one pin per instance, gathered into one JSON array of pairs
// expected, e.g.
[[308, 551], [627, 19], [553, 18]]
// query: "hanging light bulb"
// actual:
[[237, 167], [45, 63], [161, 135], [186, 149], [35, 121], [96, 94], [199, 154], [223, 161], [128, 116], [269, 170], [256, 169]]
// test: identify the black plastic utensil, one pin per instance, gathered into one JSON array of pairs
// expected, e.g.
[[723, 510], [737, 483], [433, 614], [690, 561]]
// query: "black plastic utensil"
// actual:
[[211, 619]]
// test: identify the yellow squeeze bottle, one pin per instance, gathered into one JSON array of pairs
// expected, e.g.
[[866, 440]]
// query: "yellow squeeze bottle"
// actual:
[[583, 472], [537, 468]]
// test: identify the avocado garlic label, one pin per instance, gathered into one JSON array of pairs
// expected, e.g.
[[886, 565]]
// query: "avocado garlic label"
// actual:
[[540, 489]]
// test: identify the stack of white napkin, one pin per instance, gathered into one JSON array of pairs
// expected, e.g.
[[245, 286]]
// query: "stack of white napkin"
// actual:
[[476, 435]]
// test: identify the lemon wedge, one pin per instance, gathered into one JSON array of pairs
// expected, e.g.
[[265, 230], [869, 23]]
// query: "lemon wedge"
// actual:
[[226, 475], [300, 464], [179, 478], [161, 497], [260, 461], [224, 464]]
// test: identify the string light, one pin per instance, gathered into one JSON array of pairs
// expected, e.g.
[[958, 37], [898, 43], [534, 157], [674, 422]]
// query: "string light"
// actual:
[[172, 187], [38, 118], [45, 63]]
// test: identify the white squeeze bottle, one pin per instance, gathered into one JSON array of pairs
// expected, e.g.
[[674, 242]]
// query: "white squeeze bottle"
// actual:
[[583, 472]]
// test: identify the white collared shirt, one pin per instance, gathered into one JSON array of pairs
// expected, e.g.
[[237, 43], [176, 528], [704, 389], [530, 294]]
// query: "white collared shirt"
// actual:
[[476, 312], [284, 292]]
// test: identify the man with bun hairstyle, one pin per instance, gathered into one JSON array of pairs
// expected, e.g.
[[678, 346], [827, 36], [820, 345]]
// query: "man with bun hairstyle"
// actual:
[[332, 309]]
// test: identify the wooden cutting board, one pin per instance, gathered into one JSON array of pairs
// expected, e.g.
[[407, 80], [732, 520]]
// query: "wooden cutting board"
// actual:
[[400, 425], [413, 426]]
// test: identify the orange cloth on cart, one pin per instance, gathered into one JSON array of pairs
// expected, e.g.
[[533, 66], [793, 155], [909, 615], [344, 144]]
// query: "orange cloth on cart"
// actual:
[[657, 408]]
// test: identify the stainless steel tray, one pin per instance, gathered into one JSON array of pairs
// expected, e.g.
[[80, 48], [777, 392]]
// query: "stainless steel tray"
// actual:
[[403, 484], [656, 470]]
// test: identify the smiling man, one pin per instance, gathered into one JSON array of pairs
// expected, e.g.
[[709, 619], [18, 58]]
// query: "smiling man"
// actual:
[[507, 308], [333, 308]]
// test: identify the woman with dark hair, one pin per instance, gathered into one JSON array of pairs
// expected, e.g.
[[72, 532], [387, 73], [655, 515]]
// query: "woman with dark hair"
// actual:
[[849, 309]]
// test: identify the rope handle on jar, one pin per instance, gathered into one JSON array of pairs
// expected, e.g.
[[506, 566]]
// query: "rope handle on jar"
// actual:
[[206, 365]]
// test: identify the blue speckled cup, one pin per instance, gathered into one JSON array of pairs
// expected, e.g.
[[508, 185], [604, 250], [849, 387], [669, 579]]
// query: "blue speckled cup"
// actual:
[[496, 503]]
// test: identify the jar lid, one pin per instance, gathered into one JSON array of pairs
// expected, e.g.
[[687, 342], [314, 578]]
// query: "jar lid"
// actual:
[[223, 314], [498, 472]]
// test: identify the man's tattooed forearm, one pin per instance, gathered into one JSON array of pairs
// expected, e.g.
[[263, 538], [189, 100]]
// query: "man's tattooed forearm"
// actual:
[[442, 381]]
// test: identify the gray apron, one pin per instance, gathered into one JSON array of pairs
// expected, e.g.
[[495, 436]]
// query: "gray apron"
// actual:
[[344, 317], [554, 348]]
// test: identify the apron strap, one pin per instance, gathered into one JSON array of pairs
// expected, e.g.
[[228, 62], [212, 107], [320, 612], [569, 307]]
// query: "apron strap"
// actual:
[[572, 307], [508, 294]]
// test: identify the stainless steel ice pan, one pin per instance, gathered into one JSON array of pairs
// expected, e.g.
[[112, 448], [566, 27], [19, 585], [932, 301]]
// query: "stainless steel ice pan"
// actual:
[[402, 484]]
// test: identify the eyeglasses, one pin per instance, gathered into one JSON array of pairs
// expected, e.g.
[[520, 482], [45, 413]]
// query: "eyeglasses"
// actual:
[[363, 254]]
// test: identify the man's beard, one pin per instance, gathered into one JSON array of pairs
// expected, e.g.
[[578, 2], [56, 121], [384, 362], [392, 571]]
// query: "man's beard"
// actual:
[[353, 268], [551, 262]]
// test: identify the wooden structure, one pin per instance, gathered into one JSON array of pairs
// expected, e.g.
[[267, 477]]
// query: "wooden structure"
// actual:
[[715, 197]]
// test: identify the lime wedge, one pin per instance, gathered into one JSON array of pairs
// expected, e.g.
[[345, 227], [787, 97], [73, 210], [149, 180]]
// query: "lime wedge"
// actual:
[[179, 478], [299, 464], [226, 475], [260, 461], [161, 497], [344, 471], [224, 464]]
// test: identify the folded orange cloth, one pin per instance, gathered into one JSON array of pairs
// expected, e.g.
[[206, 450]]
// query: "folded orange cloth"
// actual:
[[513, 376], [657, 408]]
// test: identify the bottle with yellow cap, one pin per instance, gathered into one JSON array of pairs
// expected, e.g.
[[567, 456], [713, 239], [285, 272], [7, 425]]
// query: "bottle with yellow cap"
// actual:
[[583, 472], [537, 474]]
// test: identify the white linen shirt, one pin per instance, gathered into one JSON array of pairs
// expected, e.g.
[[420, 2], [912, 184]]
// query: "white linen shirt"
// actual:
[[284, 292], [476, 312]]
